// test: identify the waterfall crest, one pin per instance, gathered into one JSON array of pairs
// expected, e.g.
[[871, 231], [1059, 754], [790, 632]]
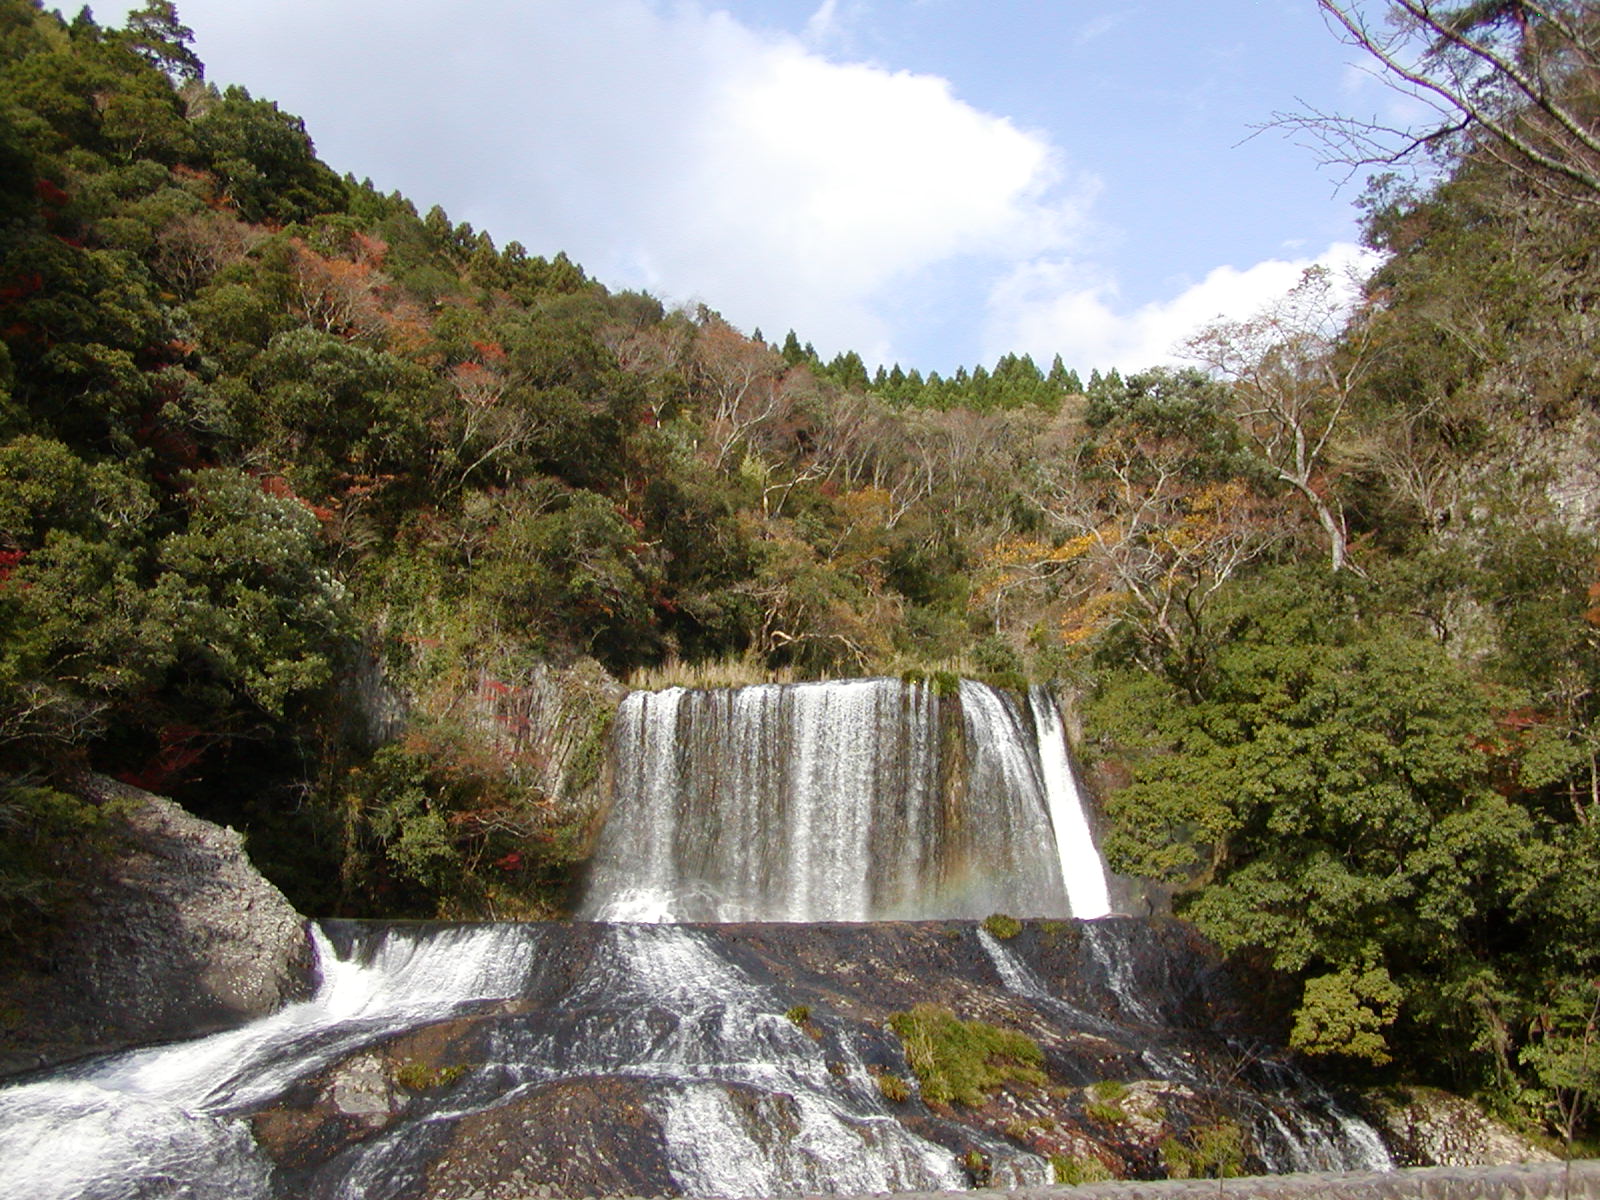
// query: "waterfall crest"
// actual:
[[860, 800]]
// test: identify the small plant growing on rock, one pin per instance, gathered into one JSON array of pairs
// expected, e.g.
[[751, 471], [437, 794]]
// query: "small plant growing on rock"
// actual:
[[417, 1076], [979, 1167], [799, 1014], [1106, 1114], [1211, 1152], [962, 1061], [1076, 1169], [1001, 926], [894, 1089], [1103, 1102]]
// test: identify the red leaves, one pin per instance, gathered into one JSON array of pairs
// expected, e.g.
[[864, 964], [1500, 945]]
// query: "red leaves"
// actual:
[[49, 193], [181, 747], [23, 287], [8, 560]]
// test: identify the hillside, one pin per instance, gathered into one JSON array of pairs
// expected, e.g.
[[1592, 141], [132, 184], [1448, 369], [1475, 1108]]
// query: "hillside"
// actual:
[[308, 500]]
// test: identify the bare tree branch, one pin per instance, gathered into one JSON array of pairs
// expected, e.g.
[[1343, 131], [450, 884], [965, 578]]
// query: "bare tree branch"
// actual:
[[1511, 81]]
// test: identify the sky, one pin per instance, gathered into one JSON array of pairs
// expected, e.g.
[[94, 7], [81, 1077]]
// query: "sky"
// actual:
[[929, 182]]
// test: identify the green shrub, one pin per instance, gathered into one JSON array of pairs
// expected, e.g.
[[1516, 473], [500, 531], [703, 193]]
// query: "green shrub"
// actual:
[[961, 1061], [995, 656], [1002, 926], [1007, 681], [1210, 1152]]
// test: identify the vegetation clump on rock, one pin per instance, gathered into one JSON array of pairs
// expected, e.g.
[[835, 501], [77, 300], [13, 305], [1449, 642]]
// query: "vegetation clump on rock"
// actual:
[[961, 1062]]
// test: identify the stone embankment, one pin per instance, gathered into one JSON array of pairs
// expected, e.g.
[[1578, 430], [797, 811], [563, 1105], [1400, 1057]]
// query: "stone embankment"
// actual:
[[1522, 1181]]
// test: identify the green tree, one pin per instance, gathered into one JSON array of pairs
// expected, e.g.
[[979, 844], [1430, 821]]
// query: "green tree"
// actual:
[[1332, 792], [155, 31], [265, 160]]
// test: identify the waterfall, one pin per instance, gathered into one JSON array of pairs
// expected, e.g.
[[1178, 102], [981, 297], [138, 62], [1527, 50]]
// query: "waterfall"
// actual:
[[1082, 869], [646, 1055], [848, 801]]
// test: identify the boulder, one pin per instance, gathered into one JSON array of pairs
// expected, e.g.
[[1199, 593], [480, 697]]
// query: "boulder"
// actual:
[[172, 934]]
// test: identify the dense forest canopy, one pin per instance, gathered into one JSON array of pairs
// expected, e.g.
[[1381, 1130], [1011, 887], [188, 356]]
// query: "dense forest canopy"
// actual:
[[271, 440]]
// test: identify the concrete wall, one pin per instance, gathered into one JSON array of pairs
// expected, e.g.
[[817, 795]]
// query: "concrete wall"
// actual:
[[1524, 1181]]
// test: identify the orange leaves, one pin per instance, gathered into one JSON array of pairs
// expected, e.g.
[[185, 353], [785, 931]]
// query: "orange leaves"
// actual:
[[477, 385], [1086, 620], [336, 295]]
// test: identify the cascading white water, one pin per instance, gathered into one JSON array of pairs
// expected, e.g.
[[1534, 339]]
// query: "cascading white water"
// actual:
[[164, 1114], [836, 802], [1295, 1124], [1082, 869]]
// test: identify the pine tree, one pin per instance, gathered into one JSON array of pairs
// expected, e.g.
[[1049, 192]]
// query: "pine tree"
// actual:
[[156, 33]]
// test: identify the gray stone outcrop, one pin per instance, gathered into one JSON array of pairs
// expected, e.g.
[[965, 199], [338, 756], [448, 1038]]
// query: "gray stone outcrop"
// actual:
[[173, 934], [1425, 1127]]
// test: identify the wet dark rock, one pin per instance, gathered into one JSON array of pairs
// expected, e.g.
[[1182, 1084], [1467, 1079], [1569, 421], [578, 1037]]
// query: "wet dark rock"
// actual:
[[570, 1086], [581, 1137]]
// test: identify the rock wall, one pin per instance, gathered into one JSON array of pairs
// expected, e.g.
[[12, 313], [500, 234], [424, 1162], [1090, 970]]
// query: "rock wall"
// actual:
[[174, 934], [1426, 1127], [550, 723]]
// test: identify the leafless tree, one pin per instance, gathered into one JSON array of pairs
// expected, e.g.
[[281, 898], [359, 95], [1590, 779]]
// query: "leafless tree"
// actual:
[[1517, 80], [1292, 371]]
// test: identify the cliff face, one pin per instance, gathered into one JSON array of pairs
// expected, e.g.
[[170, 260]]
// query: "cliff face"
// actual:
[[174, 934]]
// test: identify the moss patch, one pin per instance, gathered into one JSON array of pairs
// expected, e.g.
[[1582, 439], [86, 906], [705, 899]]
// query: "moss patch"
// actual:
[[963, 1061]]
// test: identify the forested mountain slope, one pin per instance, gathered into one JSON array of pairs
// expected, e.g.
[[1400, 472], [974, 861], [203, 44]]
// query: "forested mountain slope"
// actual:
[[274, 446]]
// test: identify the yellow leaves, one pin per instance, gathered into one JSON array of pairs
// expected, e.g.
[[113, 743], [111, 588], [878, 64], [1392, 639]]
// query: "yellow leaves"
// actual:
[[1020, 564], [1212, 515], [867, 504], [1091, 617]]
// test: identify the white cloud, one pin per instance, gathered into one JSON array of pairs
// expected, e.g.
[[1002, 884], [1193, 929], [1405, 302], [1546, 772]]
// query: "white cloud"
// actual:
[[1049, 306], [824, 23], [672, 148]]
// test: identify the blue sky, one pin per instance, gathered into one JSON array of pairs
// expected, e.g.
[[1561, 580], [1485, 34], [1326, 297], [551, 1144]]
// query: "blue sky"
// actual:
[[932, 182]]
